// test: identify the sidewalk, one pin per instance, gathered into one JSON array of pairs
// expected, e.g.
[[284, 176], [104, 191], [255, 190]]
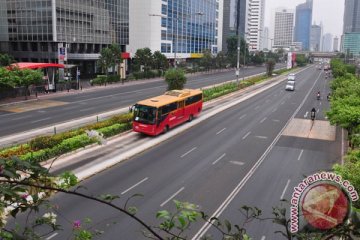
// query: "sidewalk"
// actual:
[[86, 87]]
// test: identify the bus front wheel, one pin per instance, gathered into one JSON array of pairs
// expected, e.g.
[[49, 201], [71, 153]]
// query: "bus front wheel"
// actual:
[[191, 117], [166, 129]]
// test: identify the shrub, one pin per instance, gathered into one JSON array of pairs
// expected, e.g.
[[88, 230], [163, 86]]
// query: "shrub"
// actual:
[[115, 129], [14, 151], [175, 78]]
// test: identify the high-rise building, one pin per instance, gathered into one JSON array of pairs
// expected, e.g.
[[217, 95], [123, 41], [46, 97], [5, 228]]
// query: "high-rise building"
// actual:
[[351, 44], [233, 20], [327, 44], [352, 16], [283, 28], [265, 39], [336, 44], [34, 30], [315, 38], [303, 23], [255, 24], [182, 27]]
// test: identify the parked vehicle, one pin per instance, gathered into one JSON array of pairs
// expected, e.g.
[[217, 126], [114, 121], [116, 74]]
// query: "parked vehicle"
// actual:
[[158, 114]]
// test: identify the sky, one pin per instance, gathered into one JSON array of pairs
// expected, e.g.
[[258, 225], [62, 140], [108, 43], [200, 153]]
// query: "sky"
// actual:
[[330, 12]]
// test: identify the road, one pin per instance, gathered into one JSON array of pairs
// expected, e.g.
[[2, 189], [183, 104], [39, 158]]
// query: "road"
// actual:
[[20, 118], [206, 164]]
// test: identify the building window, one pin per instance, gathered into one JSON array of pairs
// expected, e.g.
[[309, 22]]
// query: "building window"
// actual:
[[163, 9], [163, 22]]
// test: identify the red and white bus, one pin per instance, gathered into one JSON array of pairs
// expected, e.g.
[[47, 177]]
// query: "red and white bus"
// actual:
[[158, 114]]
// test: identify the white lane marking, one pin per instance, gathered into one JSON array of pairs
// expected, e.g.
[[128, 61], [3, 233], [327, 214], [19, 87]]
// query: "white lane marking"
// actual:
[[135, 185], [242, 116], [284, 191], [263, 238], [188, 152], [301, 153], [52, 236], [41, 111], [86, 109], [220, 131], [41, 120], [306, 114], [257, 107], [246, 135], [237, 163], [261, 137], [276, 120], [251, 172], [263, 120], [172, 196], [217, 160], [19, 118], [274, 110]]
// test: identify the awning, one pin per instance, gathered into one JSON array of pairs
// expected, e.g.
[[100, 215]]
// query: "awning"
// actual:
[[30, 65]]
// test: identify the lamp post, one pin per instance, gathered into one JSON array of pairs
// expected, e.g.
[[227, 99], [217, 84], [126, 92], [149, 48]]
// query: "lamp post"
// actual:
[[176, 20]]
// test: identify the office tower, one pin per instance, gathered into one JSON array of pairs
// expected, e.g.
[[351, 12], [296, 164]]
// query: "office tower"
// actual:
[[303, 24]]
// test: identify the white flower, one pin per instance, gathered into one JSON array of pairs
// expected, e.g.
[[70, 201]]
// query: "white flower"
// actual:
[[51, 217], [29, 199]]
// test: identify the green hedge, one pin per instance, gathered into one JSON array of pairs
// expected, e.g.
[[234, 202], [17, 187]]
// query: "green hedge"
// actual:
[[65, 146], [115, 129], [147, 74]]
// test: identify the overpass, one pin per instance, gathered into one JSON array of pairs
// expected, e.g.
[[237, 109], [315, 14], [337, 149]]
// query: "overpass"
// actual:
[[319, 56]]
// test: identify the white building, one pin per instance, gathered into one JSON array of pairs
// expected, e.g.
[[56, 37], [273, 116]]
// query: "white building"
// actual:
[[283, 28], [327, 45], [184, 27], [265, 39], [255, 24]]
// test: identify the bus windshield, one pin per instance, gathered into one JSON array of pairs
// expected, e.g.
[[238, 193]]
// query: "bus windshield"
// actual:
[[144, 114]]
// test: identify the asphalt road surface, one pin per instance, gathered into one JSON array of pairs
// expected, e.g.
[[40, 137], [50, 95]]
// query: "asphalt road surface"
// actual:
[[69, 107], [207, 163]]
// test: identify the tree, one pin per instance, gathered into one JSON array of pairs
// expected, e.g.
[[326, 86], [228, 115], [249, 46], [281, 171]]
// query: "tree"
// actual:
[[160, 61], [116, 55], [232, 43], [109, 58], [106, 60], [6, 60], [301, 60], [270, 65], [27, 77], [175, 78], [207, 59], [221, 60], [258, 58], [143, 57]]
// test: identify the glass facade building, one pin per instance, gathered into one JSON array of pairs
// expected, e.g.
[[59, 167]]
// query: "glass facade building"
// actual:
[[352, 16], [351, 44], [34, 28], [303, 20], [234, 19], [189, 26]]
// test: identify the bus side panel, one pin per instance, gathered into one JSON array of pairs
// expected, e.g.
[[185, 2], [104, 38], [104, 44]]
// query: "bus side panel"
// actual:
[[193, 109]]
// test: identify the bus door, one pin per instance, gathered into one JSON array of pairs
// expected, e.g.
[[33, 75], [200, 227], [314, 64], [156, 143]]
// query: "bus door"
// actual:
[[181, 112]]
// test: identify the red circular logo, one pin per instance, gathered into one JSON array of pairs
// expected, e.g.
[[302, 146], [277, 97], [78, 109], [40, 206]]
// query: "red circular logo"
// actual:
[[325, 206]]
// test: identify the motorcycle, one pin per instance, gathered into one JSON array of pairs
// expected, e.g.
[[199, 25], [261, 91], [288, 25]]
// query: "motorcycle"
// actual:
[[318, 96]]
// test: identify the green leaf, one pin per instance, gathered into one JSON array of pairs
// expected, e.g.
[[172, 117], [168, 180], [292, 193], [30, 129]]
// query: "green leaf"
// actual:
[[163, 214], [228, 225]]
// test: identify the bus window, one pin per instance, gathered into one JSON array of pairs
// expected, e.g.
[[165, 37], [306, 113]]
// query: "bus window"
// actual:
[[193, 99], [144, 114], [181, 104]]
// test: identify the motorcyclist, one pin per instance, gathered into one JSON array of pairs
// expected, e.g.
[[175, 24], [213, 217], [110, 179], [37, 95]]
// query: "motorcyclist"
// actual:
[[312, 114], [328, 97], [318, 95]]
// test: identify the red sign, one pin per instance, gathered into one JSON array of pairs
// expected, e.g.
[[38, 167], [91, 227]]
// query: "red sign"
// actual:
[[125, 55]]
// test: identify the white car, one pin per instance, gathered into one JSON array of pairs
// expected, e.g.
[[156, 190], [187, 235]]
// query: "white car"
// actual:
[[290, 86], [291, 77]]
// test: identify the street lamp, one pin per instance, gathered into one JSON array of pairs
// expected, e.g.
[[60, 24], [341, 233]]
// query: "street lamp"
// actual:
[[176, 20]]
